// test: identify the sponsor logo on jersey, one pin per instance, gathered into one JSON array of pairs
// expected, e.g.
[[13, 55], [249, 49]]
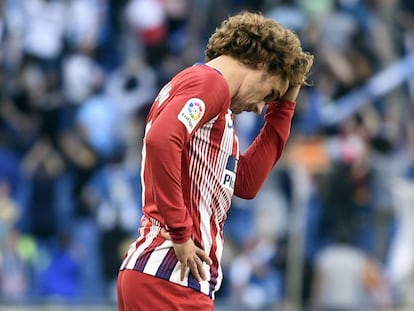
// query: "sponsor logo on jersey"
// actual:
[[229, 176], [192, 113]]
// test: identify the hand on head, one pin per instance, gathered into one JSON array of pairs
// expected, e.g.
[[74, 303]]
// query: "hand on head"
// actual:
[[292, 93]]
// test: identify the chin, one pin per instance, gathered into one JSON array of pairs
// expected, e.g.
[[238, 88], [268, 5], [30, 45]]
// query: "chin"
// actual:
[[236, 111]]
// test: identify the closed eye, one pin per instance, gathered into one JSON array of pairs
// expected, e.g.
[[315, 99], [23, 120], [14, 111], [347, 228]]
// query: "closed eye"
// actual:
[[273, 96]]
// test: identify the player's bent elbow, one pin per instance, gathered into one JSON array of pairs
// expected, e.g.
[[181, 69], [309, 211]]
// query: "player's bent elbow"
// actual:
[[247, 195]]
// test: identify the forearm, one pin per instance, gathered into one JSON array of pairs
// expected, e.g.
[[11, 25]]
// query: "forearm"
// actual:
[[164, 166], [257, 162]]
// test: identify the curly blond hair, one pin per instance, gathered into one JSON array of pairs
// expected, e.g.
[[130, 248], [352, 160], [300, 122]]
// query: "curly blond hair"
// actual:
[[256, 41]]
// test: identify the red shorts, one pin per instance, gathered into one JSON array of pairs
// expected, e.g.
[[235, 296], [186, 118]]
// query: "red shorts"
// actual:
[[138, 291]]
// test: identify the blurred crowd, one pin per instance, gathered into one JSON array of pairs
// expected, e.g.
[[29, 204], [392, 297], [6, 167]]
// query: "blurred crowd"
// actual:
[[332, 228]]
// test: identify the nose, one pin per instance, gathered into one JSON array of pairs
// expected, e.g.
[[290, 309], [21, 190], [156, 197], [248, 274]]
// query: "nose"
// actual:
[[259, 108]]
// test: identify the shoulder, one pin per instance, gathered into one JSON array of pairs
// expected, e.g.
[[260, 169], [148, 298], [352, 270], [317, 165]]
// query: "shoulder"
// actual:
[[203, 78]]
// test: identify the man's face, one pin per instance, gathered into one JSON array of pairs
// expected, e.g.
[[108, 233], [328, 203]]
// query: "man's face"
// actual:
[[257, 89]]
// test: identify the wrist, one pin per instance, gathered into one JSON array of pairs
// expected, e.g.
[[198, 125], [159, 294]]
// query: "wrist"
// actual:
[[180, 235]]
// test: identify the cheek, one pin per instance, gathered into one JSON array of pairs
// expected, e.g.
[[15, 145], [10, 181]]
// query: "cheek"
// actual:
[[241, 98], [252, 95], [248, 97]]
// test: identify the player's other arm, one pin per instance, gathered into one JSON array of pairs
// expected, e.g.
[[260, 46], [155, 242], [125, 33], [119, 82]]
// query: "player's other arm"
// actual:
[[256, 163]]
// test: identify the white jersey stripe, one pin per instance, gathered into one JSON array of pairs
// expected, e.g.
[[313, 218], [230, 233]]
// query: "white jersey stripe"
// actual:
[[138, 251], [144, 155], [219, 252], [203, 203], [156, 257], [176, 275], [130, 260]]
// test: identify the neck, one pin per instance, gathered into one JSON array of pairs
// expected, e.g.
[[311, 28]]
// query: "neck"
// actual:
[[233, 72]]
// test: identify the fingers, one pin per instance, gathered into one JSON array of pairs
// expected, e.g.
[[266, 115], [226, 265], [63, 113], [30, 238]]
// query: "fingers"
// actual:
[[203, 256], [183, 270], [196, 267], [190, 256]]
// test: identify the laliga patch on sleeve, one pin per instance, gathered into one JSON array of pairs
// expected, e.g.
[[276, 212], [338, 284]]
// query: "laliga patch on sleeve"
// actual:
[[192, 113]]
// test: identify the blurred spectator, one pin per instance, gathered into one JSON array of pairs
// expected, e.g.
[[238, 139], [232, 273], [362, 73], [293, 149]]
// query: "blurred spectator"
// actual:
[[10, 174], [401, 256], [131, 87], [97, 121], [9, 210], [147, 20], [255, 283], [347, 279], [43, 165], [81, 75], [18, 259], [61, 277], [346, 190], [86, 23], [14, 280], [18, 114], [44, 31], [116, 201]]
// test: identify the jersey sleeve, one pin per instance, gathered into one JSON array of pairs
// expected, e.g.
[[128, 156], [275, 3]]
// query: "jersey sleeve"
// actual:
[[193, 101], [261, 156]]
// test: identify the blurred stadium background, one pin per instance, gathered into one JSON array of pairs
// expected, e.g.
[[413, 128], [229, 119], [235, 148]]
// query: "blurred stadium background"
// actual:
[[334, 222]]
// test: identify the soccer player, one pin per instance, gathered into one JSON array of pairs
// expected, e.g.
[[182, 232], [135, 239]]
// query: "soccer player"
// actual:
[[191, 164]]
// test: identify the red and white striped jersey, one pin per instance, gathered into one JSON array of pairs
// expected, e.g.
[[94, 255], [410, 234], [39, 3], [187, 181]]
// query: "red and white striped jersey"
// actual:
[[191, 167]]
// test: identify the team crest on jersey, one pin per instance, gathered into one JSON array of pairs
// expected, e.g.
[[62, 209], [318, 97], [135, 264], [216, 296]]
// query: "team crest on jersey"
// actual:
[[192, 113]]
